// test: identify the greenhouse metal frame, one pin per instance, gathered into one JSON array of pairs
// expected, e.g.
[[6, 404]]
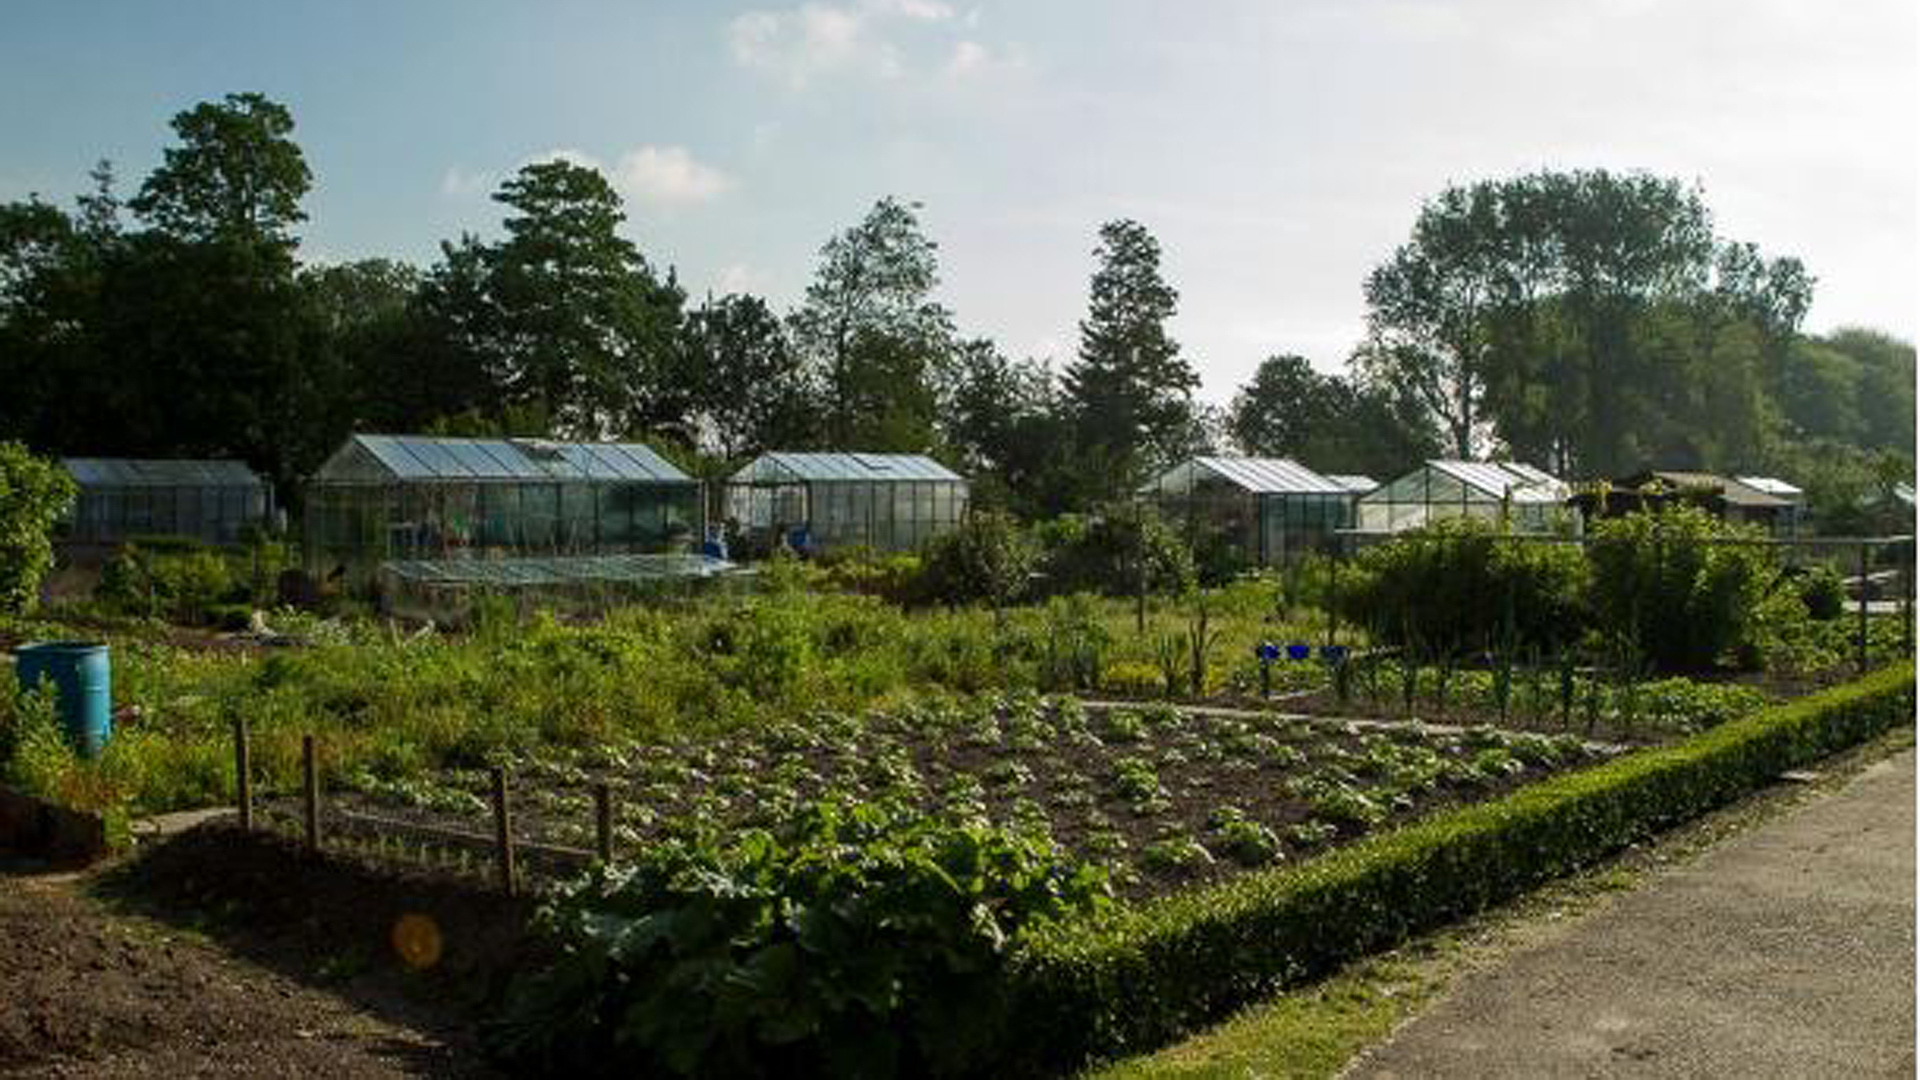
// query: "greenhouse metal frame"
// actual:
[[822, 501], [1530, 500], [387, 497], [123, 498], [1265, 510]]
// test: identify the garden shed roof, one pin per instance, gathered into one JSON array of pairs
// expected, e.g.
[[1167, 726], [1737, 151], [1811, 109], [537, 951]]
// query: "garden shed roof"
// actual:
[[1523, 482], [1735, 492], [1779, 489], [784, 466], [147, 472], [420, 457], [1259, 476]]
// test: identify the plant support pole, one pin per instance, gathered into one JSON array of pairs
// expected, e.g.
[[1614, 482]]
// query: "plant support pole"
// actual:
[[1861, 643], [603, 821], [310, 792], [242, 773], [502, 830]]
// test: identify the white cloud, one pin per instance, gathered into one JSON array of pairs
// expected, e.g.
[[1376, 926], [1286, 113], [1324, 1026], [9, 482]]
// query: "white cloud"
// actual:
[[968, 57], [668, 176], [739, 278], [663, 177], [800, 44]]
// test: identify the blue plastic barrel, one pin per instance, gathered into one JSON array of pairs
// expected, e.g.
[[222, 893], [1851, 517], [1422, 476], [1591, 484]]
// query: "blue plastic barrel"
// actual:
[[83, 678]]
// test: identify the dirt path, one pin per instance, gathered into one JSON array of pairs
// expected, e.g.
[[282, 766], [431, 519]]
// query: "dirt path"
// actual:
[[1788, 951], [93, 992]]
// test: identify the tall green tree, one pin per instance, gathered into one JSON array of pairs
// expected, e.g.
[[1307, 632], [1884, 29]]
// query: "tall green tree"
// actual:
[[567, 316], [236, 175], [1129, 392], [1329, 423], [746, 389], [1005, 422], [879, 343]]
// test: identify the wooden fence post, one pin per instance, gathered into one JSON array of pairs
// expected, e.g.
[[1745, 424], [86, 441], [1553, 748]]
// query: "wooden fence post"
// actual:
[[1861, 659], [310, 791], [603, 821], [243, 773], [502, 830]]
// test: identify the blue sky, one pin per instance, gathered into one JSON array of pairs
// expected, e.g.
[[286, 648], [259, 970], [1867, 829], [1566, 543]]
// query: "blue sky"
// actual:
[[1279, 150]]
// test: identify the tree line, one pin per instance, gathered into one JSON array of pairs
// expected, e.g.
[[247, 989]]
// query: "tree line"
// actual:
[[1592, 322]]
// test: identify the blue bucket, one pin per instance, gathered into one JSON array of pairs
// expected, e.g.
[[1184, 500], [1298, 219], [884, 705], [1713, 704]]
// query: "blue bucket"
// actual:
[[83, 680]]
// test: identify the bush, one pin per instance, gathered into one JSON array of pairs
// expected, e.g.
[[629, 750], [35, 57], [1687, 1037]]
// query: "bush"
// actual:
[[33, 495], [1823, 591], [1095, 989], [988, 558], [181, 580], [1457, 586], [862, 940], [1665, 583], [1111, 552]]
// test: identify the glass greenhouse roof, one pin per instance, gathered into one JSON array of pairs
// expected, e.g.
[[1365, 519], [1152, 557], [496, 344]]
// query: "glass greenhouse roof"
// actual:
[[137, 472], [1260, 476], [1500, 478], [1354, 482], [556, 570], [418, 457], [792, 467], [1777, 488]]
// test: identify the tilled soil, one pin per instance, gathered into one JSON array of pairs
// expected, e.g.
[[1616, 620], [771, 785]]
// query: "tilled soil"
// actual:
[[152, 969], [93, 993]]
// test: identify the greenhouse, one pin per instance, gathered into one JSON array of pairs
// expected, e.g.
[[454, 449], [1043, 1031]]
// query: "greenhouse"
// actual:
[[386, 497], [1261, 511], [820, 501], [1531, 500], [448, 591], [122, 498]]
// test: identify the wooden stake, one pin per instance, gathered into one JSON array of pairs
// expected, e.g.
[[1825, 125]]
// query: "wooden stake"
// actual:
[[502, 830], [310, 791], [1862, 643], [603, 821], [243, 773]]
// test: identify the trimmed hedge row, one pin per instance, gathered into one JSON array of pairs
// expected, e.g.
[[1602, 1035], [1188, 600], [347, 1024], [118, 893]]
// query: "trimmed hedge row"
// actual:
[[1085, 991]]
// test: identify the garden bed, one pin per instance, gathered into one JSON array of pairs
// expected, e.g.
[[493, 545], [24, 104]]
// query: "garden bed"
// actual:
[[1166, 798]]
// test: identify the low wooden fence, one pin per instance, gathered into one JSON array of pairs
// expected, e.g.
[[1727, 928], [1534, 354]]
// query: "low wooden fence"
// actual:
[[506, 851]]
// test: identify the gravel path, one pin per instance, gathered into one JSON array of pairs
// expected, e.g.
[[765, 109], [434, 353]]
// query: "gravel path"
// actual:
[[1787, 951]]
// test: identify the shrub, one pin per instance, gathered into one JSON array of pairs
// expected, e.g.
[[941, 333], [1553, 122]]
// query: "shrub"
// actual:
[[988, 558], [1666, 582], [180, 579], [859, 941], [1112, 551], [1457, 586], [1097, 988], [33, 495], [1823, 591]]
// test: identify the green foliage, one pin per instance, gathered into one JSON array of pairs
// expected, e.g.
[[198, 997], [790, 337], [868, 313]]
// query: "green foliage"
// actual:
[[1115, 553], [1661, 582], [33, 495], [1099, 988], [856, 940], [186, 582], [989, 558], [1456, 586], [1823, 591]]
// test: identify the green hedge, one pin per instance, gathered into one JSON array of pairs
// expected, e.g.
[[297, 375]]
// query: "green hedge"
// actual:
[[1146, 977]]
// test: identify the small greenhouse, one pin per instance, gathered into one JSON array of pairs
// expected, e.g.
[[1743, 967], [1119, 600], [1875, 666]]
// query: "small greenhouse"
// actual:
[[448, 591], [1531, 500], [822, 501], [122, 498], [1262, 510], [387, 497]]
